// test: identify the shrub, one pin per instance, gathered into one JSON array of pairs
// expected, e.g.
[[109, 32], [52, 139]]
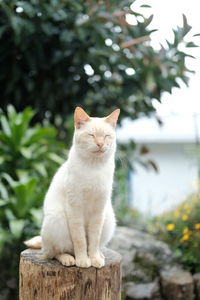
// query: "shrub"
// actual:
[[29, 155], [180, 228]]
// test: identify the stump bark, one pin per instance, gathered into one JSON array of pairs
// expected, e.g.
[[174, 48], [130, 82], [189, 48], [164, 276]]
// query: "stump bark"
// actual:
[[196, 278], [49, 280], [177, 285]]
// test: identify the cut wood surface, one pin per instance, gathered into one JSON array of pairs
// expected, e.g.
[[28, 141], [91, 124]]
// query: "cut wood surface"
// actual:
[[49, 280]]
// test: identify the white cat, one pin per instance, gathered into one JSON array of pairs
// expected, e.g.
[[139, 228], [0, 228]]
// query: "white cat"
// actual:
[[78, 214]]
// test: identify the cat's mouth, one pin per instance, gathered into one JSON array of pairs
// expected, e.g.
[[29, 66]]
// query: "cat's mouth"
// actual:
[[99, 151]]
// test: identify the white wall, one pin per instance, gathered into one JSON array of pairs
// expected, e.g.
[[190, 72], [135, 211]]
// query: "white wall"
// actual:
[[154, 193]]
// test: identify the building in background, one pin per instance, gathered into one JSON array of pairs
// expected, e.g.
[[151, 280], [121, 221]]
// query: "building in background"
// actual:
[[174, 148]]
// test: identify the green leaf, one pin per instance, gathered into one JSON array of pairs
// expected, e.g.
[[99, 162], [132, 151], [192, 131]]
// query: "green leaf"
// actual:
[[145, 6], [26, 116], [19, 124], [11, 113], [9, 215], [186, 27], [41, 169], [37, 134], [3, 191], [24, 192], [54, 157], [9, 179], [148, 21], [37, 215], [5, 125], [2, 159], [191, 45], [3, 202], [23, 175], [26, 152], [16, 227]]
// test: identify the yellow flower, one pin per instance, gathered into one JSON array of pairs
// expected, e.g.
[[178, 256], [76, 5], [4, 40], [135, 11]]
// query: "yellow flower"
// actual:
[[184, 217], [186, 231], [185, 237], [170, 227], [197, 226]]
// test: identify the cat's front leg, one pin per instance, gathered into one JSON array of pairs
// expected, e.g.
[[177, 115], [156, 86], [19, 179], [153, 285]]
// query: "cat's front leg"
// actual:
[[94, 234], [76, 225]]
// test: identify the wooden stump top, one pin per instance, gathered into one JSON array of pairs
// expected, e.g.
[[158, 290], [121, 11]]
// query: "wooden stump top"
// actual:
[[37, 258], [49, 280]]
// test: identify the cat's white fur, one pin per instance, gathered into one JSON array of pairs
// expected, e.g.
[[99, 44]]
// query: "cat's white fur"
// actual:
[[78, 215]]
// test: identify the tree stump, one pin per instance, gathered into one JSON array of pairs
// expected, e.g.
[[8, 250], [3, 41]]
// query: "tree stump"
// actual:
[[196, 278], [49, 280], [177, 284]]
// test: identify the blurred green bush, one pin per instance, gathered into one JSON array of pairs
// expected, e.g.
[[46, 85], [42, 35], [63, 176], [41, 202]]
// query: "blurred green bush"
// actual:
[[29, 155], [180, 228]]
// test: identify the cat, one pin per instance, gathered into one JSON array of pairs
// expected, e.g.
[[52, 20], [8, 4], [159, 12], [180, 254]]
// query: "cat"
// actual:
[[78, 215]]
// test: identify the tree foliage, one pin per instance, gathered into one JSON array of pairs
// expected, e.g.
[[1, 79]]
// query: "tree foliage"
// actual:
[[57, 54]]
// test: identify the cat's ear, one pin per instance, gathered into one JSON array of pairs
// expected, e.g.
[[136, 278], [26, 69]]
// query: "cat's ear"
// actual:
[[112, 118], [80, 117]]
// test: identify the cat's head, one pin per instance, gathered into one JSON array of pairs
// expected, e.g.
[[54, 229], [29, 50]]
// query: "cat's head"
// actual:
[[95, 137]]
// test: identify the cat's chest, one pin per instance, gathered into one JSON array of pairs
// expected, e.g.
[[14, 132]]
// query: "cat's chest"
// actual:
[[88, 180], [95, 180]]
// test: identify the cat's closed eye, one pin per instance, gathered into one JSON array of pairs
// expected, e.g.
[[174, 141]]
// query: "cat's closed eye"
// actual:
[[90, 134], [107, 135]]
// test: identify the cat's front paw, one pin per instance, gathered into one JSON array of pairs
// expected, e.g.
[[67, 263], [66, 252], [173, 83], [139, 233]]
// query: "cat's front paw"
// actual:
[[66, 259], [98, 261], [83, 262]]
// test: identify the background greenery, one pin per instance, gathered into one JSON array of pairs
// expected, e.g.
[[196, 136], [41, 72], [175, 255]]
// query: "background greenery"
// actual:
[[29, 155], [55, 55], [180, 228]]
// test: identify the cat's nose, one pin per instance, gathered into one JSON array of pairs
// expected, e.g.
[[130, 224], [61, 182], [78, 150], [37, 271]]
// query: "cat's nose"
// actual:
[[100, 144]]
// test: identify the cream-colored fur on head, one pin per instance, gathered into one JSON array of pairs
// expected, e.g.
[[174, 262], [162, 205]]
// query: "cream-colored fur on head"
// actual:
[[78, 214]]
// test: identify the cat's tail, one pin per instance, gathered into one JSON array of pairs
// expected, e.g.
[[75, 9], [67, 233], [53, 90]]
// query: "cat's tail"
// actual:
[[34, 243]]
